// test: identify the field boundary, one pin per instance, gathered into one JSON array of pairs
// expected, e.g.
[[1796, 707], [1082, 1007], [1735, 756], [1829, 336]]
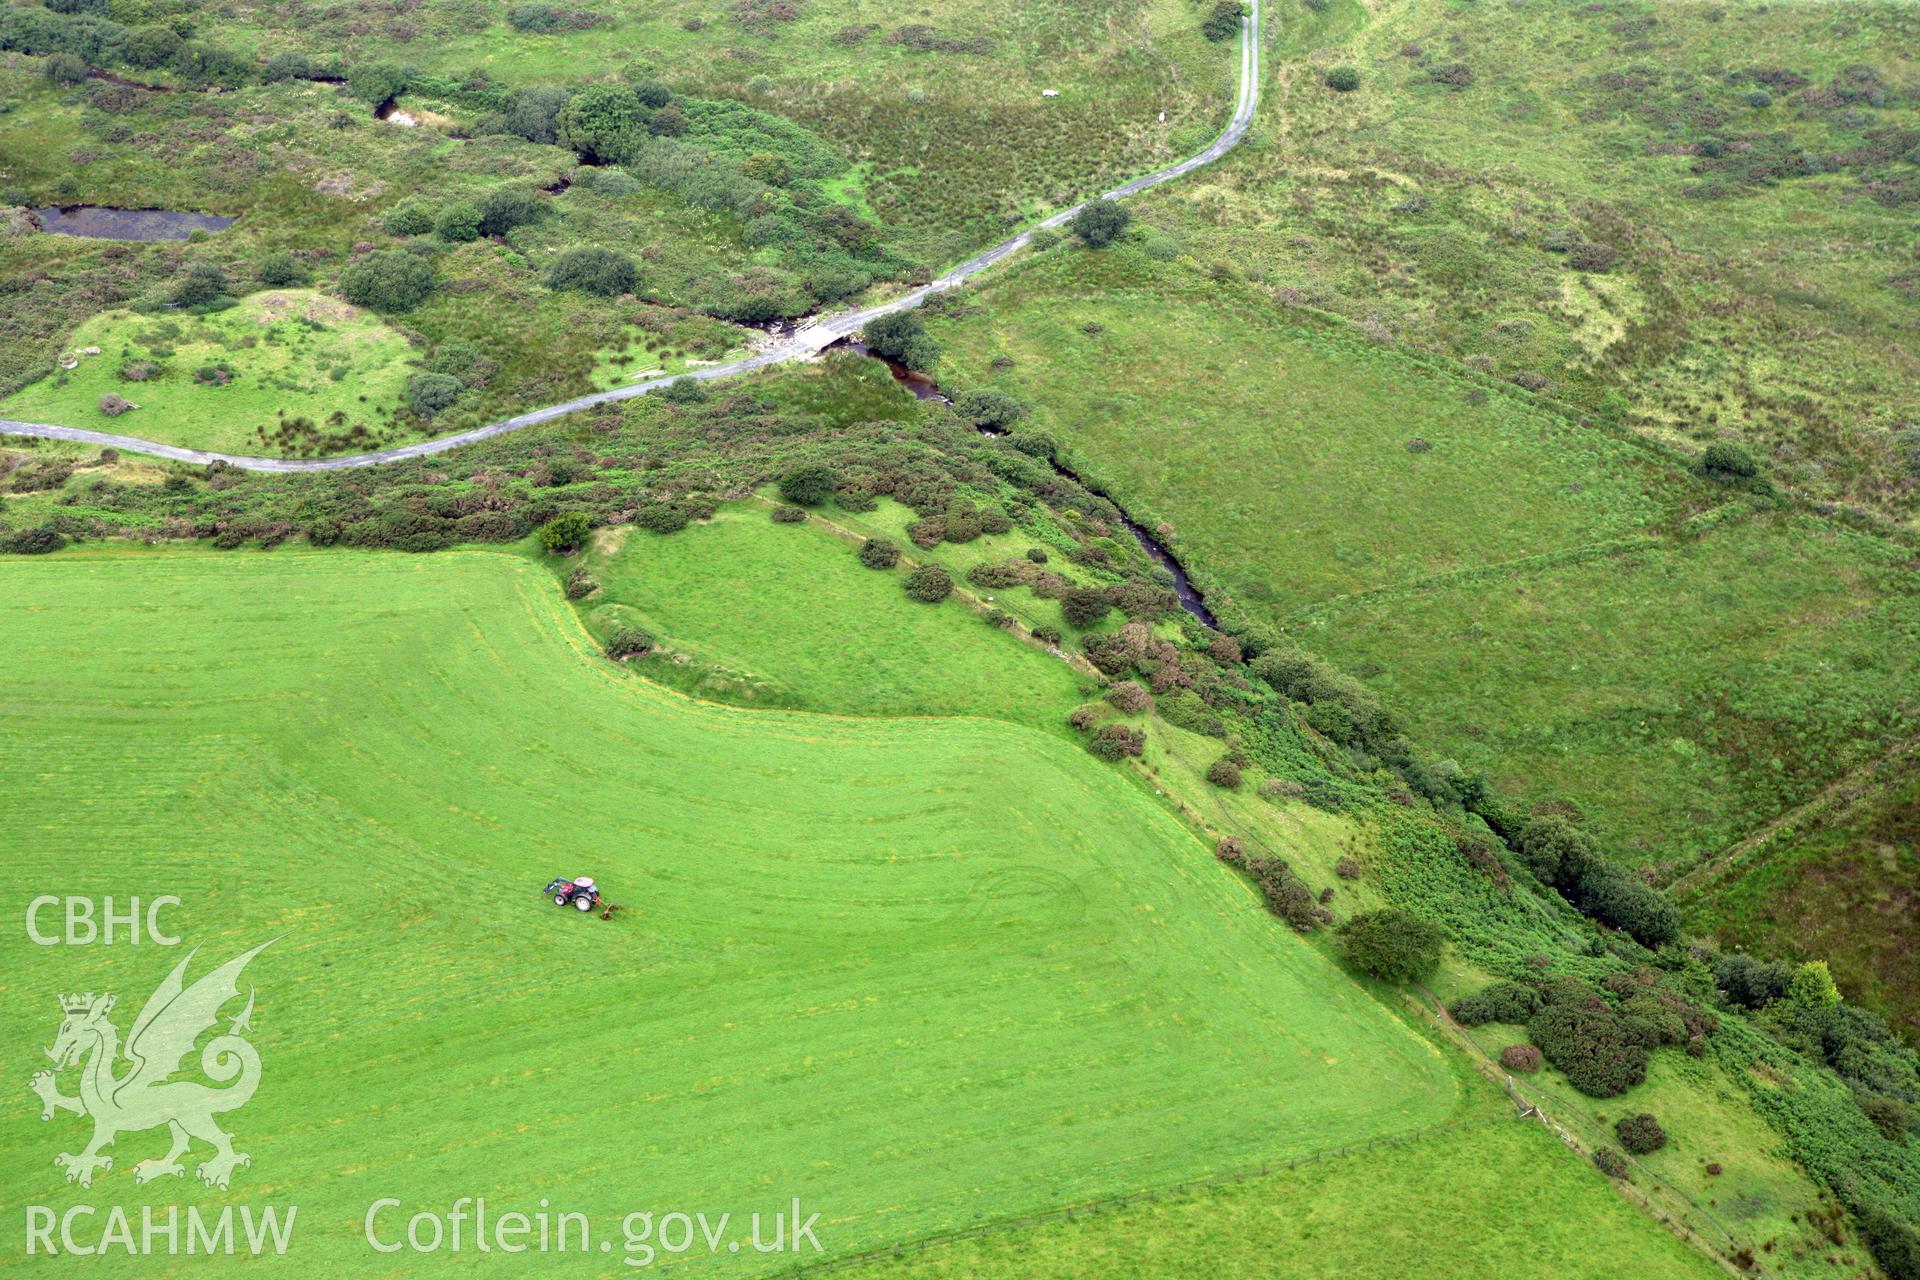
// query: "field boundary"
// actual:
[[1832, 800], [1146, 1195], [1666, 1214], [1699, 524]]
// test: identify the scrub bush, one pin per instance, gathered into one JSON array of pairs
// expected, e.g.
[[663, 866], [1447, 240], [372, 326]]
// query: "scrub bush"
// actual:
[[591, 269], [1523, 1058], [390, 281], [929, 584], [1509, 1002], [809, 486], [1100, 222], [565, 532], [879, 553], [629, 642], [1392, 945], [1640, 1134]]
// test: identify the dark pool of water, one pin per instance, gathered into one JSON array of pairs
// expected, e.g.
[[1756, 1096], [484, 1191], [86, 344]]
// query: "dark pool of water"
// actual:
[[96, 223]]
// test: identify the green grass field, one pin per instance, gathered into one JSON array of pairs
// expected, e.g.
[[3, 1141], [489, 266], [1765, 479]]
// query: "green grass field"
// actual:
[[785, 615], [284, 354], [1765, 274], [1396, 1213], [1681, 695], [920, 973], [1293, 461]]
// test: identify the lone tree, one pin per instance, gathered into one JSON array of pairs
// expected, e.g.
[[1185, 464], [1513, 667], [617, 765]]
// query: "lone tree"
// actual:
[[565, 532], [902, 337], [392, 280], [1100, 222], [1343, 79], [1392, 945], [593, 270]]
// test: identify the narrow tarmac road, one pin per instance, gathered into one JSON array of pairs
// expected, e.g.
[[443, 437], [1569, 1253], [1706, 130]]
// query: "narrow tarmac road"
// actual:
[[808, 341]]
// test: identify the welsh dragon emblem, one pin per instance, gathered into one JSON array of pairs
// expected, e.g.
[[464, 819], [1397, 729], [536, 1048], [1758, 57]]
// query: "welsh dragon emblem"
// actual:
[[146, 1095]]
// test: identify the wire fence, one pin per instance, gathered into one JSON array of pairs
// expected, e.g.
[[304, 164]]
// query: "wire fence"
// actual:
[[1667, 1203], [1107, 1204]]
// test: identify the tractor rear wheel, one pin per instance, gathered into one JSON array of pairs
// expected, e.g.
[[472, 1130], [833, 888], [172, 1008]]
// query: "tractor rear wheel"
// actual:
[[583, 903]]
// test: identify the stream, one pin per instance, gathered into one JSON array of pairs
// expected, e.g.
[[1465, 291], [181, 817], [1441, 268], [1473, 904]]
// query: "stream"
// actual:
[[925, 388]]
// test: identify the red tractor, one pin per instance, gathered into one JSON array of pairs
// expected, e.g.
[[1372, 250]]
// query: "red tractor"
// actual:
[[581, 893]]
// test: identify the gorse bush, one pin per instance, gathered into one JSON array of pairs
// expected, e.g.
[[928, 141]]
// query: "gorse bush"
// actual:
[[879, 553], [1510, 1002], [1223, 21], [591, 269], [1343, 79], [1100, 222], [929, 584], [1725, 460], [662, 517], [458, 223], [1392, 945], [1579, 1032], [1285, 894], [430, 393], [810, 485], [1640, 1134], [1085, 606], [629, 642], [389, 281], [565, 532], [1523, 1058]]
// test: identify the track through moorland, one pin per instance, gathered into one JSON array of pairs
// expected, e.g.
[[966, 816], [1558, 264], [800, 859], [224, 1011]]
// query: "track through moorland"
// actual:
[[810, 340]]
